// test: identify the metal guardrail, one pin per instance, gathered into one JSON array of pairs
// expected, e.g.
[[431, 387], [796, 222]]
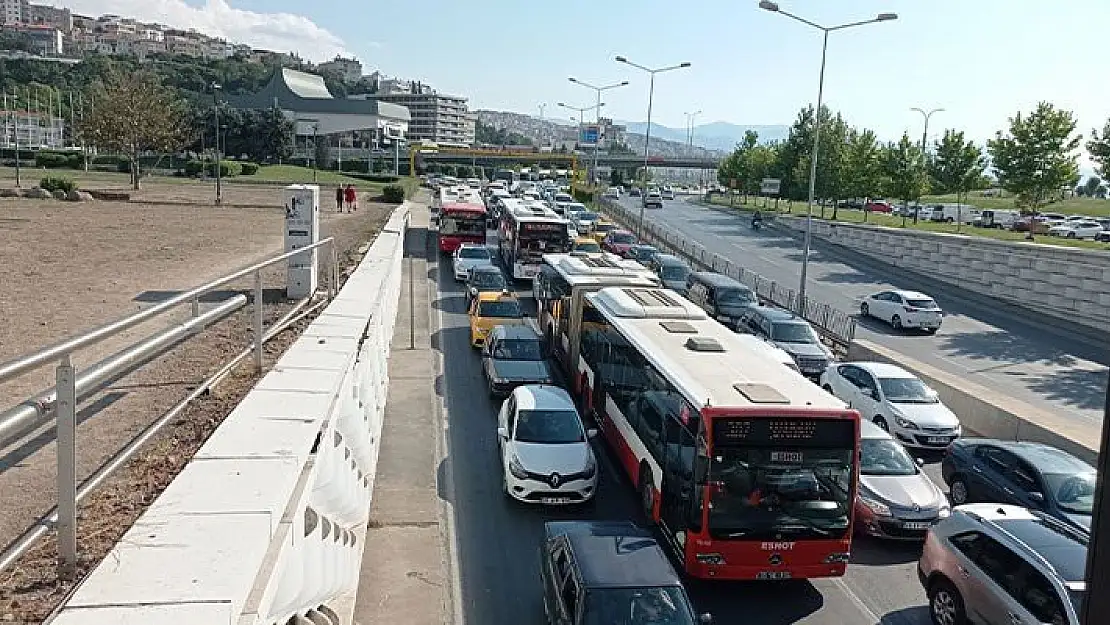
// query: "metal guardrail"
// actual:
[[63, 399], [835, 326]]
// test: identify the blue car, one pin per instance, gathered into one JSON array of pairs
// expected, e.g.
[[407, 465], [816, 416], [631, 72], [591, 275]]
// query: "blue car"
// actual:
[[1031, 475]]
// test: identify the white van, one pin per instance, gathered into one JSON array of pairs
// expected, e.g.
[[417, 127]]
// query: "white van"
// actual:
[[1001, 219], [951, 213]]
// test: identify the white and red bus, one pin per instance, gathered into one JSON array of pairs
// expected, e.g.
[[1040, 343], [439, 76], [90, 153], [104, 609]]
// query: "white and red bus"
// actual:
[[461, 222], [747, 467], [525, 233]]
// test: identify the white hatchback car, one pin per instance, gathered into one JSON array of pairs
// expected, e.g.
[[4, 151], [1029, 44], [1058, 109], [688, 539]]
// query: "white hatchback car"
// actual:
[[903, 309], [469, 256], [895, 400], [545, 450]]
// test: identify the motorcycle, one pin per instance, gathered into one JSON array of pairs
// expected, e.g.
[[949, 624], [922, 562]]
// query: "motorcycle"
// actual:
[[757, 224]]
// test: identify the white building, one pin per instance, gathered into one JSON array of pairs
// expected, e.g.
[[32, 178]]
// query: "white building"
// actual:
[[13, 11], [437, 117], [349, 69]]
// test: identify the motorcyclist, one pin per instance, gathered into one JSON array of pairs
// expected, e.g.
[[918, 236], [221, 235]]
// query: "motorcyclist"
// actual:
[[757, 218]]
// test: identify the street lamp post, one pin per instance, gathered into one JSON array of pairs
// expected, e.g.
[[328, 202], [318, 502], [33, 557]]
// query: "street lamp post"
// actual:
[[582, 119], [690, 132], [216, 114], [15, 135], [767, 5], [597, 113], [924, 154], [647, 133], [315, 165]]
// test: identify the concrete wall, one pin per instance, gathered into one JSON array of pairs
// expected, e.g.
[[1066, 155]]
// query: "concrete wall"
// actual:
[[267, 522], [1070, 283]]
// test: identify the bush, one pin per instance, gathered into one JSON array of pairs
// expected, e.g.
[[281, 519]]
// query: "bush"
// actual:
[[54, 160], [393, 193], [194, 167], [249, 169], [583, 195], [57, 183], [123, 166], [228, 169]]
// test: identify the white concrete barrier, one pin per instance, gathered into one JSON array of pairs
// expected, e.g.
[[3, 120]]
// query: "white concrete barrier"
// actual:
[[265, 525]]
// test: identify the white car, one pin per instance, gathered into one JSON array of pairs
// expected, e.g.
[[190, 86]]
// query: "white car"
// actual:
[[895, 400], [468, 256], [903, 309], [545, 450], [896, 498], [1076, 229]]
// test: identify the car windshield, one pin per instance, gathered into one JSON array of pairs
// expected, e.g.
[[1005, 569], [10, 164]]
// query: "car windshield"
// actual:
[[907, 391], [793, 332], [922, 303], [1074, 493], [674, 272], [623, 237], [587, 246], [474, 253], [604, 227], [518, 349], [735, 296], [759, 492], [644, 252], [633, 606], [507, 309], [583, 214], [489, 280], [549, 427], [883, 456]]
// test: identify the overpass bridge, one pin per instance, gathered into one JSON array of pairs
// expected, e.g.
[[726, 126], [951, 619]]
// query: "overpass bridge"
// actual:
[[495, 158]]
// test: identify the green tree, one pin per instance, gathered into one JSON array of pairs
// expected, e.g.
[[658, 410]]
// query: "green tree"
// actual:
[[863, 165], [1099, 149], [830, 160], [1037, 158], [904, 170], [957, 163], [135, 113]]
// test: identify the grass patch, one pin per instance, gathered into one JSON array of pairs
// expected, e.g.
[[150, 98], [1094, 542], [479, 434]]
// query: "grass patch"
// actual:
[[1070, 206], [294, 174]]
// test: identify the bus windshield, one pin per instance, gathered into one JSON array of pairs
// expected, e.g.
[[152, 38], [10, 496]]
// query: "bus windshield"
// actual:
[[466, 223]]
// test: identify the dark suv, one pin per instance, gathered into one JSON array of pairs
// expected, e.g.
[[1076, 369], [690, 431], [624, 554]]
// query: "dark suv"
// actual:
[[1032, 475], [603, 572], [722, 297], [790, 333]]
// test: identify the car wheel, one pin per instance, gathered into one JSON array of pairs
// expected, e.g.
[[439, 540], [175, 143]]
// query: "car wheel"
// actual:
[[958, 491], [896, 322], [880, 421], [1071, 235], [946, 606], [864, 310]]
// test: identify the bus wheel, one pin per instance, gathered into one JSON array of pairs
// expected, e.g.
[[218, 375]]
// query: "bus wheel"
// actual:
[[647, 498]]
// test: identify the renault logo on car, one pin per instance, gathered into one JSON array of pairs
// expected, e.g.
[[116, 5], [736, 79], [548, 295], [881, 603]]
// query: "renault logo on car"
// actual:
[[555, 479]]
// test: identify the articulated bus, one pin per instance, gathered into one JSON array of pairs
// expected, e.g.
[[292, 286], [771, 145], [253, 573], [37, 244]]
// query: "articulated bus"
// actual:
[[462, 222], [748, 468], [526, 232], [561, 285]]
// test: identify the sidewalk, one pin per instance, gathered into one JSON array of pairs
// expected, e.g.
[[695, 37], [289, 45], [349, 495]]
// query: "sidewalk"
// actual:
[[404, 576]]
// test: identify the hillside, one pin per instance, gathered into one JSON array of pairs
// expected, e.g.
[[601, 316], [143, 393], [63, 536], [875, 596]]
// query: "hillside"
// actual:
[[714, 136]]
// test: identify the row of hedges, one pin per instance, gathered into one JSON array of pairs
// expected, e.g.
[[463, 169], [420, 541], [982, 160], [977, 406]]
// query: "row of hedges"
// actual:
[[56, 183], [228, 169], [393, 194]]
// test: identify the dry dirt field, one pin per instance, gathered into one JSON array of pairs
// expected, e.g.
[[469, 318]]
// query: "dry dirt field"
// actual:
[[72, 266]]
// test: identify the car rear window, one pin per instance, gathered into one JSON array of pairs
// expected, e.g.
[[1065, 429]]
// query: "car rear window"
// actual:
[[473, 252], [922, 303], [505, 309]]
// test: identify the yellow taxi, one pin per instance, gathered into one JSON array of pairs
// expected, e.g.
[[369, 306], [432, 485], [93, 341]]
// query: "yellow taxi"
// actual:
[[489, 310], [586, 244], [601, 229]]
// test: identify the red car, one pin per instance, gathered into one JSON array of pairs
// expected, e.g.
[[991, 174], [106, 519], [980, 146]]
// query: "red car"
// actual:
[[878, 206], [618, 242]]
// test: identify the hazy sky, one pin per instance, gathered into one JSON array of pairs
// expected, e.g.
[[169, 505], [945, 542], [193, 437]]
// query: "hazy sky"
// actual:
[[981, 60]]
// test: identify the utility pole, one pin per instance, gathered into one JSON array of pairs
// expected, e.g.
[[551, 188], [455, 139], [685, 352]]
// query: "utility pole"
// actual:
[[216, 115]]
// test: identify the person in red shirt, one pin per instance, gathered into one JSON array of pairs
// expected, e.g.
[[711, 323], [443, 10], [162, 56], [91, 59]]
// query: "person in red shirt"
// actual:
[[352, 198]]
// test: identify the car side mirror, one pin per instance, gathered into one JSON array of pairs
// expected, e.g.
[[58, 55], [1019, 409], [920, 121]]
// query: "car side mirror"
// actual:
[[920, 461], [591, 433], [705, 619], [503, 433]]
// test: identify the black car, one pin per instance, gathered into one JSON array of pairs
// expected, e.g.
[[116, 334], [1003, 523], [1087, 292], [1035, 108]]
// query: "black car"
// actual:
[[641, 253], [605, 572], [514, 356], [484, 279], [1031, 475]]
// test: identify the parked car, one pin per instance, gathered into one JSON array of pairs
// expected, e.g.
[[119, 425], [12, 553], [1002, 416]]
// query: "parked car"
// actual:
[[1104, 236], [789, 332], [722, 297], [896, 498], [545, 450], [878, 206], [904, 309], [642, 253], [514, 356], [1002, 219], [991, 564], [672, 270], [618, 242], [895, 400], [653, 198], [484, 279], [613, 193], [468, 256], [603, 572], [1026, 474], [1076, 229]]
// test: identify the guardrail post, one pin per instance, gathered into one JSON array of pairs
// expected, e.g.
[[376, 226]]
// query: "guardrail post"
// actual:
[[258, 320], [333, 283], [66, 382]]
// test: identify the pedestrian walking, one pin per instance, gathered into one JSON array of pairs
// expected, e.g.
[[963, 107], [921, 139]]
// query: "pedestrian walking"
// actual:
[[352, 198], [339, 195]]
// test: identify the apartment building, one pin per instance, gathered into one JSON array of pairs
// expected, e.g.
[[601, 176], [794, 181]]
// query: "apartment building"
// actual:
[[438, 117], [349, 69], [13, 12], [45, 40], [44, 15]]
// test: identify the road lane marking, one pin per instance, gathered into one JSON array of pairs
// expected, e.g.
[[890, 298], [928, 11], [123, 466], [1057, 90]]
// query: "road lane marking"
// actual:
[[867, 612]]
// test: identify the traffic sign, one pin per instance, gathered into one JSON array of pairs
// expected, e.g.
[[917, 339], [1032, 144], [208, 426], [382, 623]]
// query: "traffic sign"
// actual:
[[590, 134], [770, 186]]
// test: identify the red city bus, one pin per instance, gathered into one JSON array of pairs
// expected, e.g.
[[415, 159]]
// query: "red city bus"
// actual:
[[748, 468], [460, 223]]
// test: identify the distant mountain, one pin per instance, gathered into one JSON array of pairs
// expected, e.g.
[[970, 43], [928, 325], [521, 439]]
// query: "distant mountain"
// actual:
[[714, 136]]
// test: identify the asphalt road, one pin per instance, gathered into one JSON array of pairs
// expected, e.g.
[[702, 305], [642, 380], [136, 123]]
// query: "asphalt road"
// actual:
[[497, 540], [1048, 367]]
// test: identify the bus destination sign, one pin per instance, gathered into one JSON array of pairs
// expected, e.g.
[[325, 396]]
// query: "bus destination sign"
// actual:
[[542, 227], [798, 432]]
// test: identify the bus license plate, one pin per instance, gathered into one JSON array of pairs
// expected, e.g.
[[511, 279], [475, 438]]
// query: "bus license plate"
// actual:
[[554, 500], [773, 575], [915, 525]]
